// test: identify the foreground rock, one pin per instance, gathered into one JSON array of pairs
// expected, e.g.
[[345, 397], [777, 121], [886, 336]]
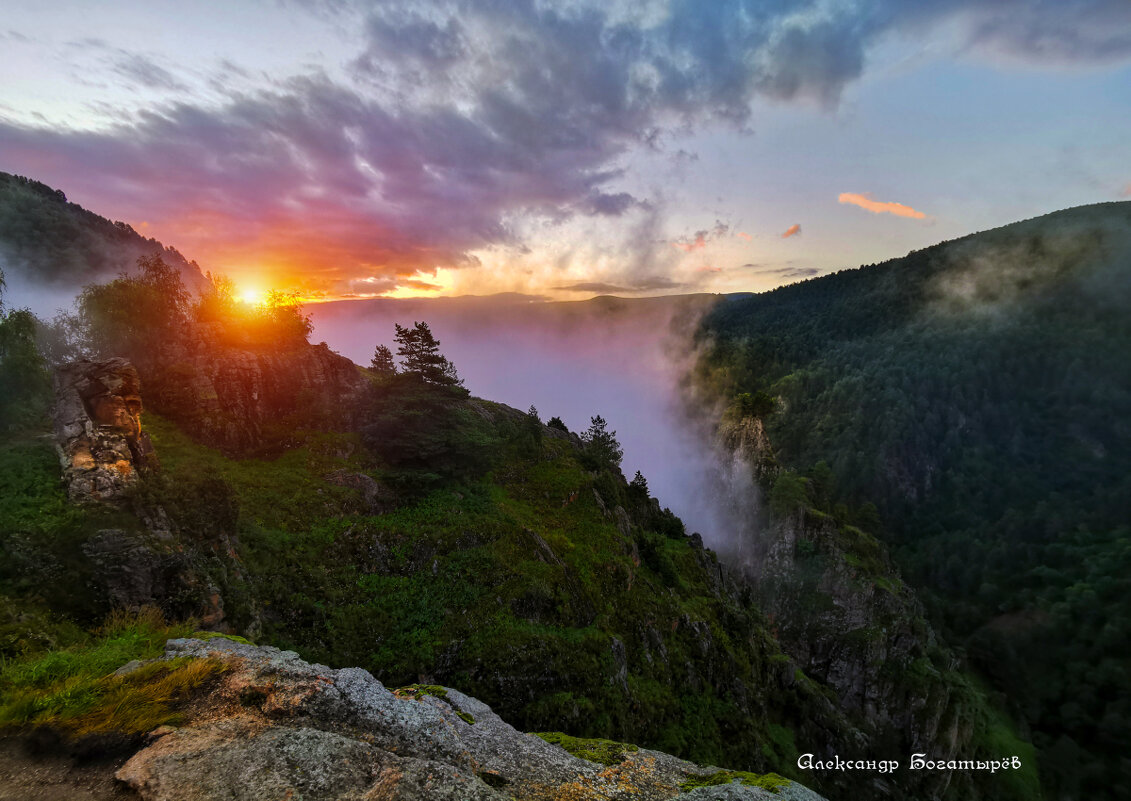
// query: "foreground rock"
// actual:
[[280, 728]]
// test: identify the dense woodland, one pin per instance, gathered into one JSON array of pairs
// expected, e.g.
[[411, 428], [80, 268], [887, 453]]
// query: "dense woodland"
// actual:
[[979, 393], [61, 243]]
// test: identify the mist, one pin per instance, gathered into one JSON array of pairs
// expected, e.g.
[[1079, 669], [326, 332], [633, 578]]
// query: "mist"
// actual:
[[622, 359]]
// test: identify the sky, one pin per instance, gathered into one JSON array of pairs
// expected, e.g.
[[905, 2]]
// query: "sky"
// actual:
[[564, 149]]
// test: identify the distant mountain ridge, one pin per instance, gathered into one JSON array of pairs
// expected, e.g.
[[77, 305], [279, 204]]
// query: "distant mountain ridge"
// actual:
[[49, 241]]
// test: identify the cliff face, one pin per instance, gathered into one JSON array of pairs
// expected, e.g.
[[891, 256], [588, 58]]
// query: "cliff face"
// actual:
[[97, 420], [839, 607], [239, 398], [104, 455]]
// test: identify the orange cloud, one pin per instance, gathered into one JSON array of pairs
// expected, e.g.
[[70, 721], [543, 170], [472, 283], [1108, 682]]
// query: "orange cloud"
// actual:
[[794, 229], [744, 235], [865, 201], [1126, 191]]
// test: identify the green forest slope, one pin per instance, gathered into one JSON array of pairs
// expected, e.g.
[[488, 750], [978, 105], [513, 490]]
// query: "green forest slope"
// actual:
[[979, 392]]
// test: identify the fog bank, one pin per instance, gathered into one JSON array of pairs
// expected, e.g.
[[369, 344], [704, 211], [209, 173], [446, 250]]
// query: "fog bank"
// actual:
[[621, 359]]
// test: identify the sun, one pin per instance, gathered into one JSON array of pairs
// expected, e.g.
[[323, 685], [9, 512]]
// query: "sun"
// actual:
[[252, 297]]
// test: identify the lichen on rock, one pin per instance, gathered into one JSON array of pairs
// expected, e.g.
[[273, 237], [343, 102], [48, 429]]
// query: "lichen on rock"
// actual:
[[279, 727]]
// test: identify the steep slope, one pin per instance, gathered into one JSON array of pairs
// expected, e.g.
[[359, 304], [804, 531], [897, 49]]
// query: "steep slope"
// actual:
[[978, 391], [48, 241], [567, 600]]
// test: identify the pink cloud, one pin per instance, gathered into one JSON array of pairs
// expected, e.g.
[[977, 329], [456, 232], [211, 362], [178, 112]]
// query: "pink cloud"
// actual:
[[793, 230], [865, 201], [698, 242], [744, 235]]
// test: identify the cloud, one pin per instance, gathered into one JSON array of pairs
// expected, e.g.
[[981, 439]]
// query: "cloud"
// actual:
[[865, 201], [781, 271], [451, 122], [699, 239], [743, 235], [793, 230], [1126, 191], [1050, 31], [138, 69]]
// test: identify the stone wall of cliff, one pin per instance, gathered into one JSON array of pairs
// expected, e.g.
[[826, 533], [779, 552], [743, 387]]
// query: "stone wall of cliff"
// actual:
[[241, 398], [839, 607], [97, 421]]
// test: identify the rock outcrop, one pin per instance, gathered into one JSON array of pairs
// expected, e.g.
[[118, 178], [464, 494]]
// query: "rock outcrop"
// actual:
[[278, 727], [97, 419], [239, 397], [840, 609]]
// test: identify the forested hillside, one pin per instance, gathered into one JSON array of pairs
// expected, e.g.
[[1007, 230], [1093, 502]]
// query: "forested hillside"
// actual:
[[232, 475], [46, 240], [979, 393]]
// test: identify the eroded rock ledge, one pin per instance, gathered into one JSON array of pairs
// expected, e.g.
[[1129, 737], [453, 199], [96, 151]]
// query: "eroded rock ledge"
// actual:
[[97, 418], [279, 727]]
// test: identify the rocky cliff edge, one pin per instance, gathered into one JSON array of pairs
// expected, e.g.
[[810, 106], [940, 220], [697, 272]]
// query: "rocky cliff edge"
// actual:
[[278, 727]]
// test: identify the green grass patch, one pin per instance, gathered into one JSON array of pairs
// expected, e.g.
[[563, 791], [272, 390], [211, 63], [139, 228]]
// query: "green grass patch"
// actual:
[[766, 781], [74, 689], [605, 752]]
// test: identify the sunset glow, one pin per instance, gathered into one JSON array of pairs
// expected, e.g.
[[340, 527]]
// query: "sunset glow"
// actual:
[[251, 297], [350, 160]]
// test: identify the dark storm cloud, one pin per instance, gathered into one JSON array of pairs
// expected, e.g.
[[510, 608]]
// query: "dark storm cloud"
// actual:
[[464, 116]]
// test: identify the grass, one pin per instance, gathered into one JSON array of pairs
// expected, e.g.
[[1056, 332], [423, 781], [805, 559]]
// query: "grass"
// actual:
[[766, 781], [74, 690], [605, 752], [287, 493]]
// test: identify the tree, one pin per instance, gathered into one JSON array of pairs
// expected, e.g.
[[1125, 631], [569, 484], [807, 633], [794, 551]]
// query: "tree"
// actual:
[[217, 303], [529, 435], [639, 484], [599, 447], [24, 383], [420, 356], [382, 361], [556, 422], [132, 312], [283, 313]]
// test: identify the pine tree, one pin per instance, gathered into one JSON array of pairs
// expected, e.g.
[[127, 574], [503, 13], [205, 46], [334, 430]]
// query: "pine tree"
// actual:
[[420, 356], [599, 446], [382, 361]]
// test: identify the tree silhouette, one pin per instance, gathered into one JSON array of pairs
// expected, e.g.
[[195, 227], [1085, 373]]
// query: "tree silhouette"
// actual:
[[599, 447], [420, 356], [382, 361]]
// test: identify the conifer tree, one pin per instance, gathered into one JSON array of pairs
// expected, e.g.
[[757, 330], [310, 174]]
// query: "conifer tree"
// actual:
[[599, 446], [420, 356], [382, 361]]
